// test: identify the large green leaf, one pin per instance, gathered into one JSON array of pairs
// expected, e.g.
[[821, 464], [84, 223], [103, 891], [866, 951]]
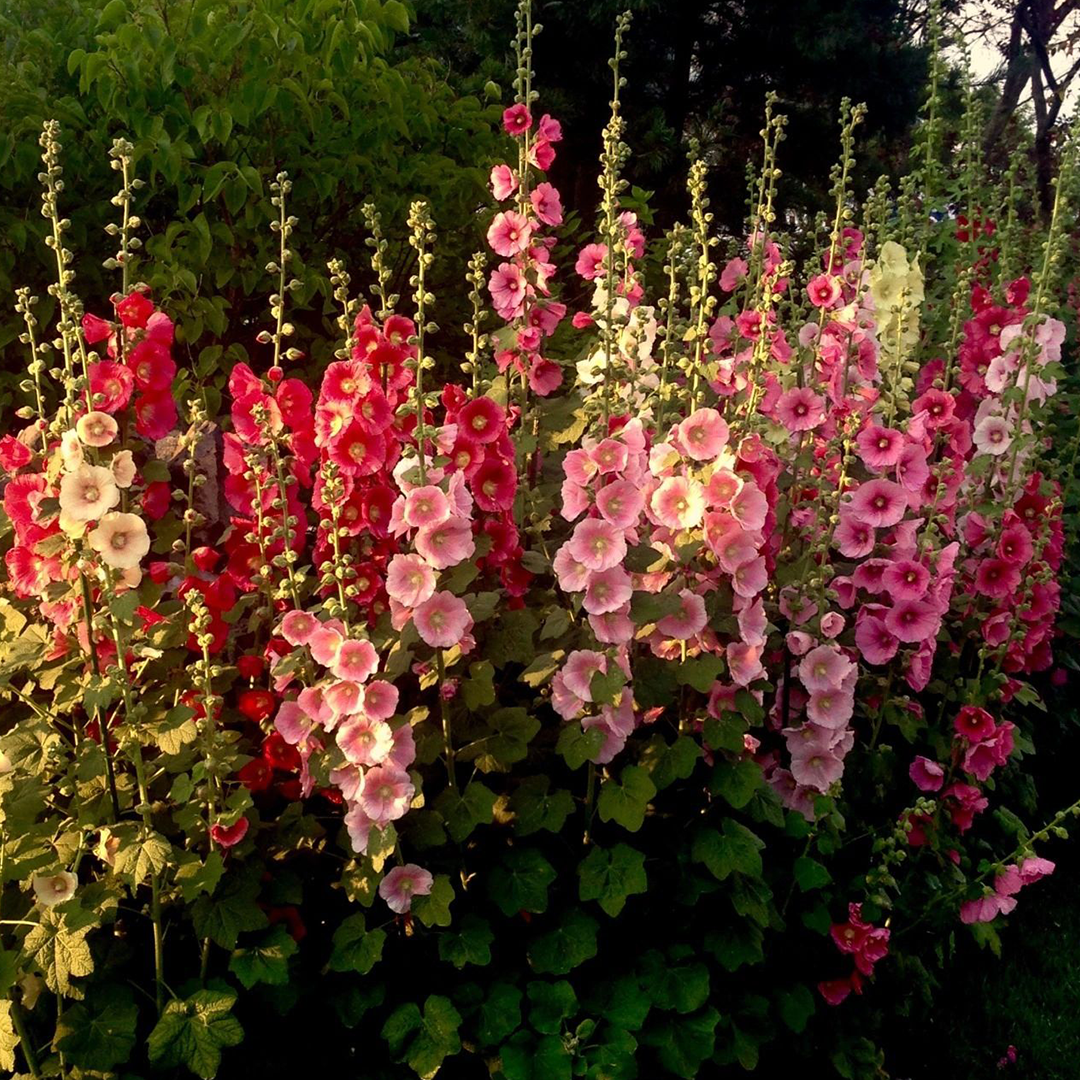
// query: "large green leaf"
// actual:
[[423, 1040], [193, 1031], [611, 876], [99, 1033]]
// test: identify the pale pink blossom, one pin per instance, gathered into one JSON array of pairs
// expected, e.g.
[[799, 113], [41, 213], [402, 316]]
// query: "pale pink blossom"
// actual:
[[402, 883], [344, 698], [679, 503], [442, 620], [621, 503], [581, 665], [824, 668], [298, 626], [386, 794], [503, 182], [689, 621], [992, 435], [325, 642], [426, 507], [447, 544], [744, 662], [409, 580], [365, 741], [703, 434], [509, 233], [879, 503], [380, 700], [830, 708], [356, 661], [607, 590], [597, 544]]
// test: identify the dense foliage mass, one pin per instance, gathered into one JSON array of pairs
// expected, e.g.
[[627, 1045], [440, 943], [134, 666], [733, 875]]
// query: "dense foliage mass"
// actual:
[[649, 700]]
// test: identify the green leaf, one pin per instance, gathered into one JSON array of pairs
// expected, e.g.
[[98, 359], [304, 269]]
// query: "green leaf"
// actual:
[[810, 874], [520, 881], [536, 807], [726, 733], [795, 1006], [434, 909], [606, 687], [423, 1041], [469, 945], [175, 731], [511, 731], [682, 1043], [195, 877], [611, 876], [736, 848], [675, 983], [100, 1033], [626, 799], [478, 689], [464, 811], [59, 948], [668, 762], [736, 945], [267, 961], [499, 1015], [396, 15], [511, 639], [566, 947], [736, 781], [700, 672], [194, 1031], [577, 745], [223, 917], [550, 1003], [542, 667], [142, 857], [525, 1057]]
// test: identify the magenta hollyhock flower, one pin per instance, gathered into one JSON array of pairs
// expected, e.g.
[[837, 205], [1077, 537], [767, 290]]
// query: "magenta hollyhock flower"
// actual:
[[298, 626], [508, 289], [879, 447], [879, 503], [545, 376], [155, 415], [926, 775], [230, 835], [824, 290], [581, 665], [937, 405], [447, 544], [95, 328], [482, 420], [854, 539], [409, 580], [358, 451], [679, 503], [607, 590], [906, 579], [503, 182], [154, 369], [824, 668], [912, 470], [442, 620], [597, 544], [356, 661], [386, 794], [1015, 546], [516, 119], [1033, 868], [688, 621], [380, 700], [703, 434], [912, 621], [426, 506], [403, 883], [365, 741], [494, 484], [546, 203], [964, 801], [832, 624], [590, 261], [830, 708], [621, 503], [997, 578], [509, 233], [836, 991], [800, 409]]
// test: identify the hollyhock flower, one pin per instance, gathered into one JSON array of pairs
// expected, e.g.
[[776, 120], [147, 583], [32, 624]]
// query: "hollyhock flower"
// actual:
[[744, 662], [409, 580], [749, 507], [87, 493], [402, 883], [155, 415], [597, 544], [906, 579], [123, 468], [688, 621], [912, 621], [154, 369], [1033, 868], [824, 668], [97, 429], [1015, 545], [156, 499], [53, 889], [345, 382], [380, 700], [442, 620], [14, 454], [679, 503], [325, 642], [997, 578], [853, 538], [227, 836], [750, 578], [912, 470], [547, 204], [836, 991], [386, 794], [723, 486], [983, 910], [508, 289], [992, 435], [358, 451], [134, 309], [974, 724], [879, 447], [298, 626], [356, 661], [503, 182], [256, 705], [516, 120], [365, 741], [830, 708], [111, 385], [927, 775], [343, 698], [964, 801], [482, 420], [607, 590], [446, 545], [734, 271], [572, 575], [613, 627], [545, 376], [590, 262], [494, 484], [509, 233], [426, 506], [580, 667], [879, 503], [703, 434], [981, 758], [610, 456], [95, 328], [121, 540], [621, 503], [818, 770], [800, 409], [824, 290], [832, 624]]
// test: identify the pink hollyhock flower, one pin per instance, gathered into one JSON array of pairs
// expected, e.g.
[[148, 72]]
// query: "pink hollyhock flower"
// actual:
[[912, 469], [974, 724], [380, 700], [95, 329], [572, 575], [494, 484], [689, 621], [503, 182], [854, 539], [926, 775], [992, 435], [830, 708], [824, 668], [442, 620], [798, 643], [580, 667], [154, 369], [613, 627], [912, 621], [298, 626], [937, 405], [800, 409], [836, 991], [734, 272], [566, 703], [292, 722], [824, 291], [723, 486], [610, 456], [832, 624], [344, 698], [879, 503], [516, 120], [703, 434], [426, 507], [409, 580], [365, 741], [356, 661], [750, 578], [134, 309], [447, 544], [482, 420], [590, 262], [906, 579], [358, 451], [229, 836], [1015, 546], [386, 794], [403, 883], [1033, 868], [545, 376], [508, 289], [14, 455], [358, 825], [749, 507], [509, 233], [983, 910], [818, 769], [111, 384], [879, 447], [597, 544], [547, 204], [679, 503], [997, 578], [964, 801], [621, 503], [607, 590], [744, 662]]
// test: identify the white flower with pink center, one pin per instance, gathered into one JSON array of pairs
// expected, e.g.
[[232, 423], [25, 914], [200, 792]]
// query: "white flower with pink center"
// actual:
[[365, 741], [403, 883]]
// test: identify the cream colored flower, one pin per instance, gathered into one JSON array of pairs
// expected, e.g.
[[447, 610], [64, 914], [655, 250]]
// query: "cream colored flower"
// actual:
[[107, 846], [87, 493], [123, 468], [96, 429], [71, 451], [130, 578], [5, 764], [121, 540], [53, 889]]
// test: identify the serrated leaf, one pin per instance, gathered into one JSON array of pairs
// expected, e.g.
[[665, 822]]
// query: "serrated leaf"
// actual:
[[536, 807], [478, 689], [810, 874], [577, 745], [230, 912], [464, 811], [266, 961], [143, 857], [423, 1041], [520, 881], [61, 950], [735, 848], [611, 876], [526, 1057], [469, 945], [193, 1032], [99, 1034], [625, 800], [434, 909], [499, 1015], [795, 1006], [510, 732], [736, 781], [550, 1003], [566, 946]]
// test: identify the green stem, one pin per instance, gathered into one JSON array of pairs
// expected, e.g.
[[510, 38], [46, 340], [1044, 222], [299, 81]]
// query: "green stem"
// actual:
[[444, 708], [19, 1021]]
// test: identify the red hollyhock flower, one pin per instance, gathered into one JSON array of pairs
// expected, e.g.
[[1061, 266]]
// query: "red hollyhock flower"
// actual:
[[14, 455], [257, 705], [134, 309], [154, 369], [95, 328], [156, 500], [280, 754], [357, 451], [155, 415], [294, 400], [494, 484], [229, 836], [257, 775], [482, 419], [290, 916], [250, 667], [113, 382], [205, 558]]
